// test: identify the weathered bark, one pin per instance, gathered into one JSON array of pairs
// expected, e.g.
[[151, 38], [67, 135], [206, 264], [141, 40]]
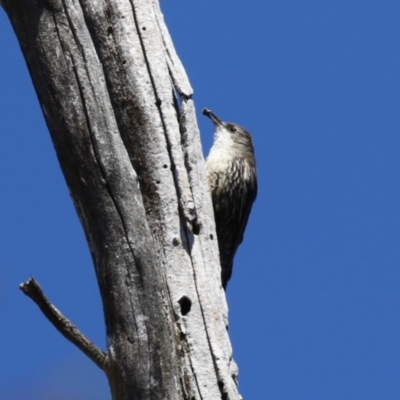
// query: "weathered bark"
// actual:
[[118, 106]]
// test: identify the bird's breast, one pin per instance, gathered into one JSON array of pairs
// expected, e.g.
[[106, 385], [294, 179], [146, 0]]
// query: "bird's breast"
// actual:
[[227, 172]]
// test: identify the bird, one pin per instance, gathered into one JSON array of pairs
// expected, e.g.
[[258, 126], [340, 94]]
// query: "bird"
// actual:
[[232, 180]]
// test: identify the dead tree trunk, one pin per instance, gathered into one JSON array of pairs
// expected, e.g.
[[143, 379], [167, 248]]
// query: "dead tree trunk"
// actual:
[[119, 108]]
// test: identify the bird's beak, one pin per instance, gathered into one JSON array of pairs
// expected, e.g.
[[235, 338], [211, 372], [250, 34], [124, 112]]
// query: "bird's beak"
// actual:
[[212, 116]]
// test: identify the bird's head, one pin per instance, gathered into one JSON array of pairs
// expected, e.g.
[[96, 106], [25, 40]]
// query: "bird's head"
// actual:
[[229, 134]]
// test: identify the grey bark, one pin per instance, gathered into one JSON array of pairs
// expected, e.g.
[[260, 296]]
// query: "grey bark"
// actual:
[[119, 109]]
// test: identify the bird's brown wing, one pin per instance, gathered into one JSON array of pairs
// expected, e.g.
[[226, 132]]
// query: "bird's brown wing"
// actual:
[[232, 205], [248, 195]]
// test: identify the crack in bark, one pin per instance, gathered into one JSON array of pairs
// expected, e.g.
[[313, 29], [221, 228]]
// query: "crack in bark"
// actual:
[[98, 157], [189, 212]]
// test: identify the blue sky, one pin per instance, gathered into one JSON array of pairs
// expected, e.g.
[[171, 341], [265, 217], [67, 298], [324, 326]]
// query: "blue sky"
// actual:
[[314, 299]]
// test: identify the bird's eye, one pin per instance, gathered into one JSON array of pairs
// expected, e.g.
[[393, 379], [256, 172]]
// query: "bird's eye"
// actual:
[[233, 129]]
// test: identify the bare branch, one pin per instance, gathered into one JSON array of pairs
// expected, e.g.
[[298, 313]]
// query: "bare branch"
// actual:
[[32, 289]]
